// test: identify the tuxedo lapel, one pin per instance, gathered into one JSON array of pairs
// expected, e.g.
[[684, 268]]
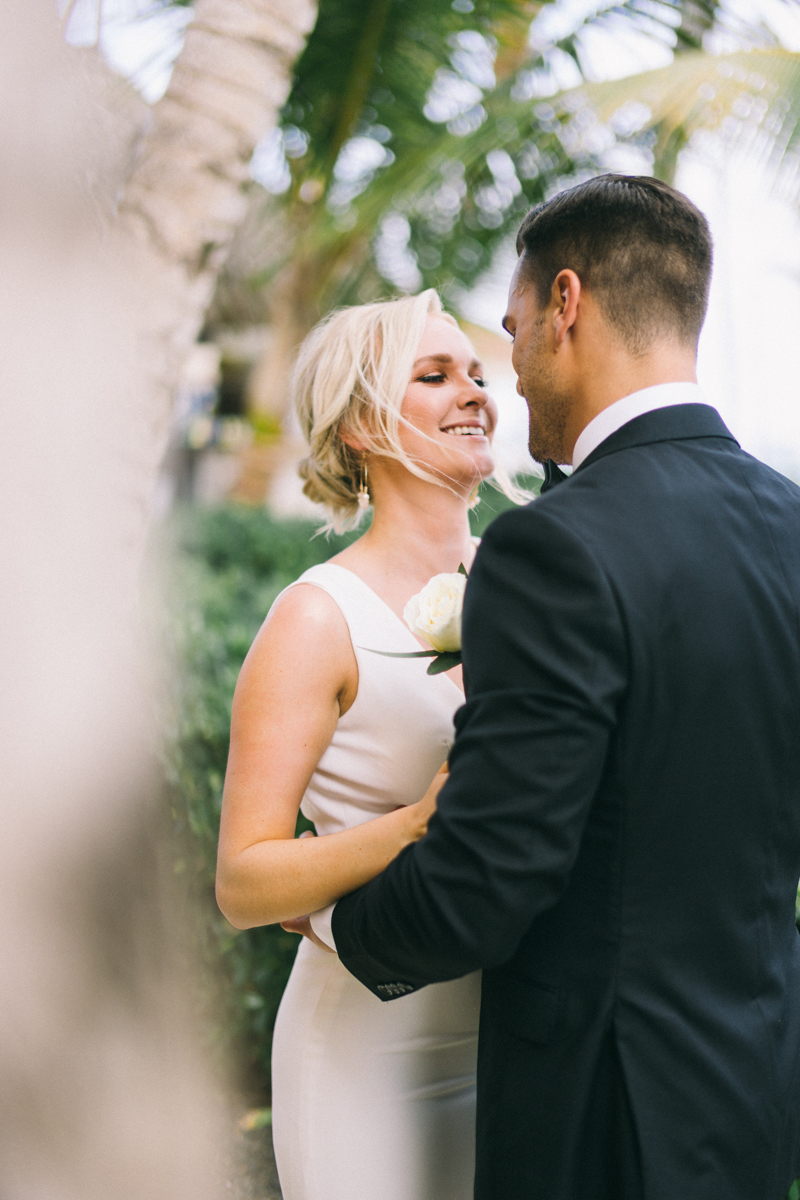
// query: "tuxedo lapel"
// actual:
[[676, 423]]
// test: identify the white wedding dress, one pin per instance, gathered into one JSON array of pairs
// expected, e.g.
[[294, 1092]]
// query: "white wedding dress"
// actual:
[[375, 1100]]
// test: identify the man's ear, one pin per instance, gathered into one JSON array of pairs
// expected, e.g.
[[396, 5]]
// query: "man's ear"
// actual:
[[565, 298]]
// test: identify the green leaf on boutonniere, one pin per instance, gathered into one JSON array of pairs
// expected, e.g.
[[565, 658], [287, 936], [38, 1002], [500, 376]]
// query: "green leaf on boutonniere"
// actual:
[[404, 654], [445, 662], [462, 570]]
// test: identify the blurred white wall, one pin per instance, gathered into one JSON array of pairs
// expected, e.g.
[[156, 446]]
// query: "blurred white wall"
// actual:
[[749, 362]]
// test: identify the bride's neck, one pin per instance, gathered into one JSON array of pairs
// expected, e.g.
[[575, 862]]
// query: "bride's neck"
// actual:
[[417, 532]]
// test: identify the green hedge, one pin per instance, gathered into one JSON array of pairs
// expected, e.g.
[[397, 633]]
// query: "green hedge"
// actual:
[[224, 567]]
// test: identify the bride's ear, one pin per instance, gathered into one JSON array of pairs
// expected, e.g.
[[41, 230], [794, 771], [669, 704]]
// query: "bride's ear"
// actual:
[[351, 440], [359, 444]]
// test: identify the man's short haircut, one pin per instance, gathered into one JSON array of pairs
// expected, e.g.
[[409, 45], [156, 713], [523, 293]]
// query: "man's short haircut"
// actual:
[[640, 247]]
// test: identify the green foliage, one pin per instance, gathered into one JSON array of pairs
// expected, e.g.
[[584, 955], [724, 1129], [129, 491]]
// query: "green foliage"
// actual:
[[225, 566], [379, 54], [453, 189], [366, 72], [701, 92], [794, 1191], [462, 184], [492, 502]]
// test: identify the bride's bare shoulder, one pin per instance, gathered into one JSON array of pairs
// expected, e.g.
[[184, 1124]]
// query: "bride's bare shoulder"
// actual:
[[302, 649], [305, 610]]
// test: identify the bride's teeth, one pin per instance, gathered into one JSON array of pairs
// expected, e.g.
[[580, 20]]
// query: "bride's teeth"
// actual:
[[466, 430]]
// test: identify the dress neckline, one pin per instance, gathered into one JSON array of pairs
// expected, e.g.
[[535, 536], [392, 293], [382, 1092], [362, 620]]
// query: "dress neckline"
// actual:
[[380, 600]]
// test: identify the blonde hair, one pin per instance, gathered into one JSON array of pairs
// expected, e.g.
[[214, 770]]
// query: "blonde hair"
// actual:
[[350, 378]]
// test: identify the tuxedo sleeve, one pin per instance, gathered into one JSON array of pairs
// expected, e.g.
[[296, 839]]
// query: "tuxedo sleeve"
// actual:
[[545, 657]]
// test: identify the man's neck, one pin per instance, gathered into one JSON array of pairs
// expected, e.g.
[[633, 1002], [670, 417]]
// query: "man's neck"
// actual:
[[621, 375]]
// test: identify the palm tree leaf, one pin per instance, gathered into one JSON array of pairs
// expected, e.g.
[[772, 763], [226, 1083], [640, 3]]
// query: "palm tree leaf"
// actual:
[[367, 71], [750, 95]]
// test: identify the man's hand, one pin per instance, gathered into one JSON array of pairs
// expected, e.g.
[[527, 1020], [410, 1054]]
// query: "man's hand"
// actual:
[[419, 814], [303, 925]]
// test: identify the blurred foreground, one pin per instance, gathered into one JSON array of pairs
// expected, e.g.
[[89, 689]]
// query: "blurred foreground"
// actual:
[[104, 1089]]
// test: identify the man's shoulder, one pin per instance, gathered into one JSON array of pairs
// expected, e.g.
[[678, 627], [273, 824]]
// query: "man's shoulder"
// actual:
[[526, 520], [543, 531], [554, 510], [772, 479], [643, 485]]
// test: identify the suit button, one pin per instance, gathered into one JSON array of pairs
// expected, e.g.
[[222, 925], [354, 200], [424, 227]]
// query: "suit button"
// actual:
[[394, 989]]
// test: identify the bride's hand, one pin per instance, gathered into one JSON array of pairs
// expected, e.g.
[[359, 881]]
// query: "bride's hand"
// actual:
[[421, 812]]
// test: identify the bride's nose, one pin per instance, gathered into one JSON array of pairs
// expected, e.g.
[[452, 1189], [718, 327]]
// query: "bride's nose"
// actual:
[[472, 396]]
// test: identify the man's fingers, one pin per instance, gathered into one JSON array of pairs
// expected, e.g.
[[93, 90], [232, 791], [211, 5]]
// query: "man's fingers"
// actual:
[[302, 925]]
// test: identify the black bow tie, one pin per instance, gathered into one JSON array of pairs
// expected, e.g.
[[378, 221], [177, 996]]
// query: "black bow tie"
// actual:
[[552, 476]]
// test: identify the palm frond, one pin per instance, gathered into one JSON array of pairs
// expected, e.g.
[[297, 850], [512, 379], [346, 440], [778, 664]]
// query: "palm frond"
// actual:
[[381, 56], [751, 98]]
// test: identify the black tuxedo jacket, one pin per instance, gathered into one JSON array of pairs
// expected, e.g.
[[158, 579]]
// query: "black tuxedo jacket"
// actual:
[[618, 845]]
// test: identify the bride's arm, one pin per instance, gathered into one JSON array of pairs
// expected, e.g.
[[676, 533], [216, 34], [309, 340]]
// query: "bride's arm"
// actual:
[[299, 675]]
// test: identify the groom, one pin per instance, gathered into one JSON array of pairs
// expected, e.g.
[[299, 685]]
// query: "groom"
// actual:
[[618, 843]]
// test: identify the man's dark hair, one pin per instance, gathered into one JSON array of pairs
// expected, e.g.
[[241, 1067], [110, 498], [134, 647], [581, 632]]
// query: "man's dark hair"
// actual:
[[639, 246]]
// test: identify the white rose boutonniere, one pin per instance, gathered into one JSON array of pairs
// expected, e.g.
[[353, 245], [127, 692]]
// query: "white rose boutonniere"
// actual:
[[434, 615]]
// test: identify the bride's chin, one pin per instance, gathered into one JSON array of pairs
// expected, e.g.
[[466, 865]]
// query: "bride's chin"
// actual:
[[482, 465], [479, 457], [480, 470], [462, 468]]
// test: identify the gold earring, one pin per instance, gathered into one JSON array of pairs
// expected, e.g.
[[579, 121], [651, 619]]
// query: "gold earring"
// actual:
[[474, 498], [363, 491]]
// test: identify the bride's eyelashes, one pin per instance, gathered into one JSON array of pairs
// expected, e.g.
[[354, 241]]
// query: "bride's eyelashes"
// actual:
[[439, 378]]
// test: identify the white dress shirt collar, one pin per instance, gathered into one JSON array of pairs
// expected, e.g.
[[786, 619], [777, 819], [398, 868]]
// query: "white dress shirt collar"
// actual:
[[662, 395]]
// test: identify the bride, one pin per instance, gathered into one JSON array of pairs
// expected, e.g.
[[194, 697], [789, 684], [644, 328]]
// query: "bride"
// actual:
[[371, 1101]]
